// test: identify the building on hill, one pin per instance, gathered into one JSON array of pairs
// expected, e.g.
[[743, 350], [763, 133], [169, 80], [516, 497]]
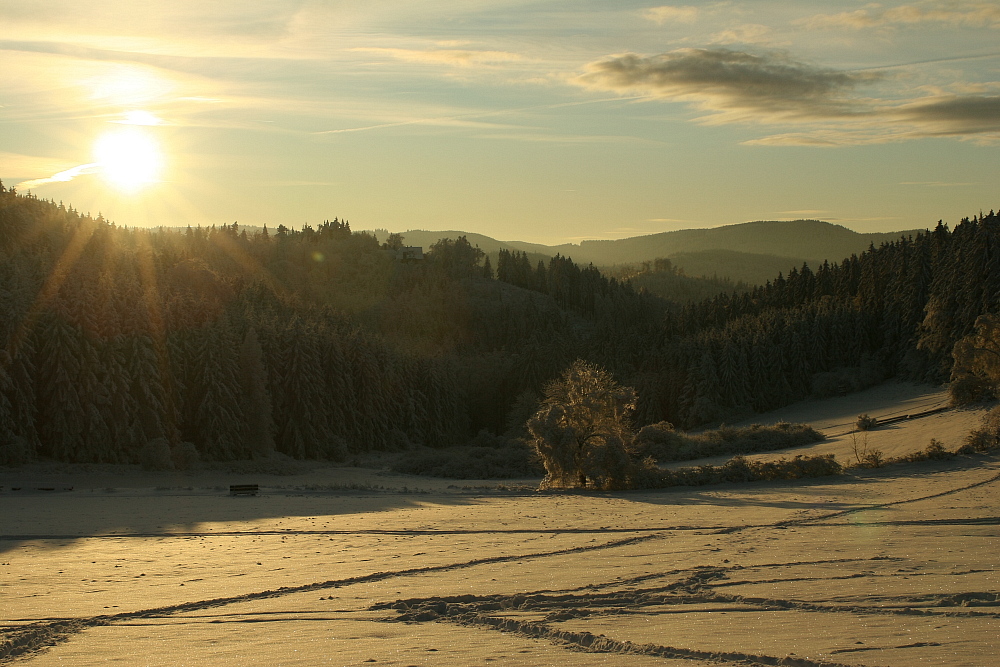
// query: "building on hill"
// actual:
[[410, 254]]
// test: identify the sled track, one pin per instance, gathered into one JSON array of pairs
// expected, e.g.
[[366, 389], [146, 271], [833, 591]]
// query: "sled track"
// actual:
[[697, 588], [26, 640]]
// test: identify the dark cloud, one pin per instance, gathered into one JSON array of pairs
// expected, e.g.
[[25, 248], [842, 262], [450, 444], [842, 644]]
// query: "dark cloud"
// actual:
[[953, 115], [774, 88], [730, 81]]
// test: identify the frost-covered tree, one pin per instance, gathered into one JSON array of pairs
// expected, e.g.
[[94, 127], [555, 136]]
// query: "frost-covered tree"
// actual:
[[976, 373], [582, 428]]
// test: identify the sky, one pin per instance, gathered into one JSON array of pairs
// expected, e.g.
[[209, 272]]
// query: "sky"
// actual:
[[536, 120]]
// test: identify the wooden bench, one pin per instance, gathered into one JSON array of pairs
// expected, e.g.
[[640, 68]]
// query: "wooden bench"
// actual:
[[243, 489]]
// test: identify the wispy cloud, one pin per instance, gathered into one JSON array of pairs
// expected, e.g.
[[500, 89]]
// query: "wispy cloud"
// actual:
[[467, 119], [19, 164], [671, 14], [749, 33], [830, 137], [61, 177], [971, 14], [453, 57]]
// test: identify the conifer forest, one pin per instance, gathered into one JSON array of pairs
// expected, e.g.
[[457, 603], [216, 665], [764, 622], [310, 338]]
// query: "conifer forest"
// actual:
[[320, 344]]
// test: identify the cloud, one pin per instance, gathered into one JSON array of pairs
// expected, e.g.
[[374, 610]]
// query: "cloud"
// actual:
[[750, 33], [951, 115], [215, 22], [859, 18], [970, 117], [453, 57], [467, 119], [61, 177], [970, 14], [18, 164], [734, 84], [822, 105], [671, 14], [829, 137]]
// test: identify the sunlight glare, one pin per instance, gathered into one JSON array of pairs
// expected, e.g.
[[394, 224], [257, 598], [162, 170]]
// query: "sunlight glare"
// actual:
[[128, 158], [139, 117], [128, 85]]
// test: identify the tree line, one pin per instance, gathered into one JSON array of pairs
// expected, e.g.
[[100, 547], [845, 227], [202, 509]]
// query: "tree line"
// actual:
[[319, 343]]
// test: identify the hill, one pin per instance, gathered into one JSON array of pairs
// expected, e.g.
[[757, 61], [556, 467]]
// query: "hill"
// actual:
[[813, 240], [752, 252]]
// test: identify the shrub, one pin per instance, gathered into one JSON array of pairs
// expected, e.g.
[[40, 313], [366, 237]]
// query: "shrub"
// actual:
[[740, 469], [864, 455], [934, 451], [275, 463], [660, 441], [872, 458], [665, 444], [487, 439], [15, 452], [335, 448], [185, 456], [799, 467], [395, 440], [512, 459], [866, 422], [737, 469], [156, 455], [970, 389], [986, 438], [991, 420]]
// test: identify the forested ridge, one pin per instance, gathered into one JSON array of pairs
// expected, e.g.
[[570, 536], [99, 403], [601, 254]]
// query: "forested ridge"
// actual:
[[319, 343]]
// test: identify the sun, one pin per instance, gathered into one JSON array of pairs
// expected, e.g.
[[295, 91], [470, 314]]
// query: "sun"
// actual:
[[128, 158]]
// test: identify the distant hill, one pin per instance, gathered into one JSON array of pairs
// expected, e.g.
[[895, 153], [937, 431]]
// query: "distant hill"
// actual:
[[748, 267], [754, 252], [809, 239]]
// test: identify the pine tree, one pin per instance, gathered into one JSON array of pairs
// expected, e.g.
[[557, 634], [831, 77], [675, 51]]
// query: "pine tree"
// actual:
[[60, 410], [256, 400]]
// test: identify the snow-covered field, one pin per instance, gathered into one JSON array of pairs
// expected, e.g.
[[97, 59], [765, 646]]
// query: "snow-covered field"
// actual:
[[896, 566]]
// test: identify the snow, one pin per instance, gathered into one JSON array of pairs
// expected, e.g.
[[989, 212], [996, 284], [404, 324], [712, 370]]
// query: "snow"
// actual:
[[895, 566]]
